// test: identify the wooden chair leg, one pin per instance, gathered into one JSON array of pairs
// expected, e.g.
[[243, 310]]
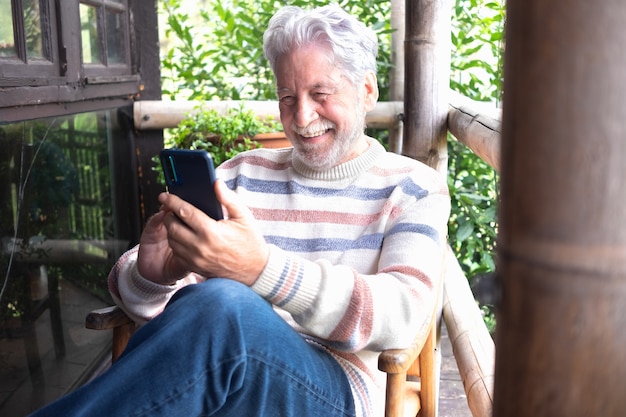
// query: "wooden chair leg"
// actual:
[[395, 395], [121, 336], [428, 375]]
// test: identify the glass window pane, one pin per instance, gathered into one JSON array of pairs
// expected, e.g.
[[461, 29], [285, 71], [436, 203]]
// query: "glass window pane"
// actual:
[[116, 38], [89, 34], [59, 236], [32, 29], [7, 44]]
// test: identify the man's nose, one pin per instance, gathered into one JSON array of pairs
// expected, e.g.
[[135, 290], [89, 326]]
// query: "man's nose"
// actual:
[[306, 112]]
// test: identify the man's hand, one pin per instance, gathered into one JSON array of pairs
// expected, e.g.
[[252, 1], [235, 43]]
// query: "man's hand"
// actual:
[[231, 248], [155, 260]]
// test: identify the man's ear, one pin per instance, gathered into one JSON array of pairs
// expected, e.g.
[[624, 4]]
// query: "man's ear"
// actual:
[[371, 91]]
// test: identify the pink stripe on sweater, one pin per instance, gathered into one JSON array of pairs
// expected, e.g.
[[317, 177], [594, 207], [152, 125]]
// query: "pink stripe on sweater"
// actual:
[[256, 161], [382, 172], [291, 279], [410, 272], [320, 216], [357, 323]]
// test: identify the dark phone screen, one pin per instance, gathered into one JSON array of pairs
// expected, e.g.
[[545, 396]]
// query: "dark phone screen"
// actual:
[[190, 175]]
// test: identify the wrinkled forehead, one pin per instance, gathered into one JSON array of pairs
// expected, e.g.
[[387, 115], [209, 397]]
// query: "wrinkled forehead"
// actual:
[[315, 60]]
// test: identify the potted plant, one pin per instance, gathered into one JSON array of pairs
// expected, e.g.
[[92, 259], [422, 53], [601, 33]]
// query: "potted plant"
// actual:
[[224, 136]]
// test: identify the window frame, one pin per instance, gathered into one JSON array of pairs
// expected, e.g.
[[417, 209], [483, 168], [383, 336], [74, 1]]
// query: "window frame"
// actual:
[[99, 72], [19, 70], [62, 84]]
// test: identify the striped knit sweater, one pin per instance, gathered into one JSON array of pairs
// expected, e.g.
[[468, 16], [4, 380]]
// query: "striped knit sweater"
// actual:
[[355, 254]]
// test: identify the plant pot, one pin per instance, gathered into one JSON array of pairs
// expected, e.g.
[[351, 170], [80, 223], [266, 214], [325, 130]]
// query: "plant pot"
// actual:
[[273, 140]]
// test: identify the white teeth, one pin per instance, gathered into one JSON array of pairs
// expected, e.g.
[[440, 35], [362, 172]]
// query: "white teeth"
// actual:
[[313, 134], [314, 129]]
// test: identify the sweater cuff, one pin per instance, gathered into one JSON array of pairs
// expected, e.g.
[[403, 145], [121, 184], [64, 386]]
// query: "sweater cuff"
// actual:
[[141, 298], [289, 282]]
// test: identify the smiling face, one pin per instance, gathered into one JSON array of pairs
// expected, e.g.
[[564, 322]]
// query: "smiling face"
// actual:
[[322, 113]]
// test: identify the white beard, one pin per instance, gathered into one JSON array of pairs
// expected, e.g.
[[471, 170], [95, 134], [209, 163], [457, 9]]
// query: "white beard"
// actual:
[[320, 157]]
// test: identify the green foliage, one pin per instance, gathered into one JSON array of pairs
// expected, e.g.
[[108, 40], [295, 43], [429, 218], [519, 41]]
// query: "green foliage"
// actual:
[[478, 48], [477, 62], [218, 54], [472, 227], [223, 136]]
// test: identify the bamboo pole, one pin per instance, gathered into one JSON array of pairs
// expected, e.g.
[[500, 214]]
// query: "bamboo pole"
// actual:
[[561, 344], [167, 114], [478, 126], [396, 73], [427, 67], [472, 345]]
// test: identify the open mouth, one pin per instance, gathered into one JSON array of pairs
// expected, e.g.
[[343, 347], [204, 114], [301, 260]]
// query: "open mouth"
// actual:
[[314, 134]]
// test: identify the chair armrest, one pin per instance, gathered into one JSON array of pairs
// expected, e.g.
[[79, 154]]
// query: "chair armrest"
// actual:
[[403, 361], [404, 397], [107, 318], [112, 318], [397, 361]]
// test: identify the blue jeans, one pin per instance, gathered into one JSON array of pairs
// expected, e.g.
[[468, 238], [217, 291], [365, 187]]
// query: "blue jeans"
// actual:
[[218, 349]]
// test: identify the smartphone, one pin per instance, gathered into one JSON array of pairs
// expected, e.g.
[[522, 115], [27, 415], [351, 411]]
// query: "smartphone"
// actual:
[[190, 174]]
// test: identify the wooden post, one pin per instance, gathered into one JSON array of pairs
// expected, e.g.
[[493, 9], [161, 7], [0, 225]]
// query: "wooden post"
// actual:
[[561, 339], [427, 68], [147, 144], [396, 73]]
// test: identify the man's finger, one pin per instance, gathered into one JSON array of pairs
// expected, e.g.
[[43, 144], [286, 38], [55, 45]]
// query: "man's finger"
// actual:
[[191, 216], [230, 200]]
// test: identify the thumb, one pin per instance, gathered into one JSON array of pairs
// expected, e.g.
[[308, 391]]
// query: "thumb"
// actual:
[[231, 201]]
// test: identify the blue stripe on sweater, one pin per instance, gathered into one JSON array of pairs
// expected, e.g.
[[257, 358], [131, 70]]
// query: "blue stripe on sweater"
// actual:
[[326, 245], [412, 189], [354, 192], [422, 229], [373, 241], [283, 277]]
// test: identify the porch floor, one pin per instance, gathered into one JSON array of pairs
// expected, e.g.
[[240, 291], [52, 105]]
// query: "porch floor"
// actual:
[[21, 393]]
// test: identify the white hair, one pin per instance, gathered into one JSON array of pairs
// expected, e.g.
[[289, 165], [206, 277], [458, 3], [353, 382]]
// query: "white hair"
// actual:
[[354, 46]]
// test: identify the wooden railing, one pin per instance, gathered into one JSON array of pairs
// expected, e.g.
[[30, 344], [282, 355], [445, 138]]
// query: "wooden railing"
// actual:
[[167, 114], [474, 124], [478, 127]]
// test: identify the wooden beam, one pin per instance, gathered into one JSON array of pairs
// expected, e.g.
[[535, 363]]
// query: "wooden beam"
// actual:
[[427, 63], [472, 344], [146, 144], [158, 114], [562, 241], [396, 72], [478, 126]]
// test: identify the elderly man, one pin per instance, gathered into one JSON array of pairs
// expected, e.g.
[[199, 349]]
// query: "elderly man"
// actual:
[[329, 254]]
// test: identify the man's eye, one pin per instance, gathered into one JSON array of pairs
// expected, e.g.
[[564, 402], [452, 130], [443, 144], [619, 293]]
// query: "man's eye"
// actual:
[[287, 100]]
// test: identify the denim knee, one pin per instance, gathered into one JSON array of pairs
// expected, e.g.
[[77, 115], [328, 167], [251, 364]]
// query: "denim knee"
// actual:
[[219, 296]]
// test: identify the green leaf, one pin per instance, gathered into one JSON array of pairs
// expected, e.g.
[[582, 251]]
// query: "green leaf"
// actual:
[[464, 231]]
